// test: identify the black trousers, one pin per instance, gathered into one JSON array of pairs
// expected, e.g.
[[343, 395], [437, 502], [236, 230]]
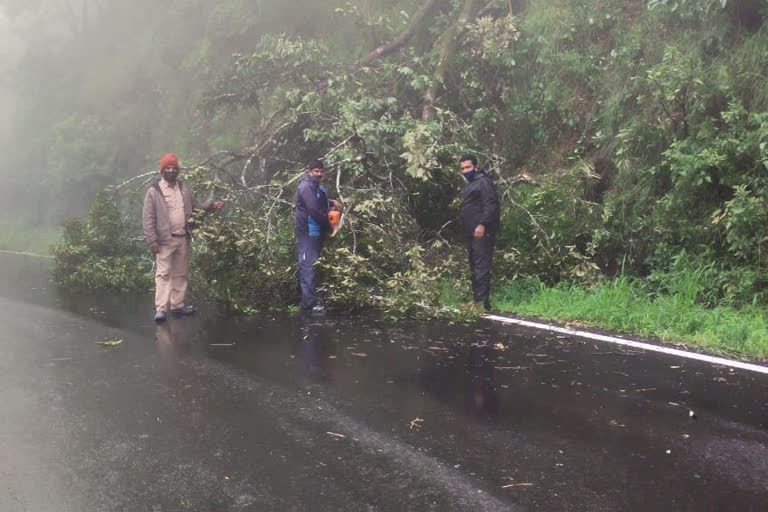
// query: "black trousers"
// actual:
[[480, 261]]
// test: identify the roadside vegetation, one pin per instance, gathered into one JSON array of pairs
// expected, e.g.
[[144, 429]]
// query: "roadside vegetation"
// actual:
[[628, 140], [21, 238], [626, 306]]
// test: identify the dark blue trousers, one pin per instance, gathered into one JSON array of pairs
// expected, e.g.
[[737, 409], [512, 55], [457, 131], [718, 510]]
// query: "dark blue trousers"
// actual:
[[309, 248]]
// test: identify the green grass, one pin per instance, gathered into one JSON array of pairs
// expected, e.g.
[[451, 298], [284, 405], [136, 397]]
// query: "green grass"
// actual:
[[38, 240], [623, 306]]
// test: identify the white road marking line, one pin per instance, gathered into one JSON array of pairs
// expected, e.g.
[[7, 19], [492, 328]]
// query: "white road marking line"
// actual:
[[629, 343]]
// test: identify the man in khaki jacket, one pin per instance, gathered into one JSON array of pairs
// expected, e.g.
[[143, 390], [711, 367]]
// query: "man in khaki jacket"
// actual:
[[168, 206]]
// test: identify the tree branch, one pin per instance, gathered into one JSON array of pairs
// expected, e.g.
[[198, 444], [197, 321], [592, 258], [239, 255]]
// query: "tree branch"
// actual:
[[259, 151], [115, 189], [535, 223], [399, 41], [486, 9]]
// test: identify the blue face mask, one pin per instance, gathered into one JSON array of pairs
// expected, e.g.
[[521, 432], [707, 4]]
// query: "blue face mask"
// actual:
[[470, 175]]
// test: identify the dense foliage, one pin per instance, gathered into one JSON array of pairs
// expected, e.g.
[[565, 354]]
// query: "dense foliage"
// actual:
[[98, 253], [625, 137]]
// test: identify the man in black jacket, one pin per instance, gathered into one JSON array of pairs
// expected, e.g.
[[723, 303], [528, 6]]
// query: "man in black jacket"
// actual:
[[480, 214]]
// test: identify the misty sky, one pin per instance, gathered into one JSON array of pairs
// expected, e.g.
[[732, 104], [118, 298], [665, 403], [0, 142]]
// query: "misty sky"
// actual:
[[9, 52]]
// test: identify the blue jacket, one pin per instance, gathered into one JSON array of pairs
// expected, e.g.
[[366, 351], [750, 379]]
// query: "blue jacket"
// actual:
[[311, 208]]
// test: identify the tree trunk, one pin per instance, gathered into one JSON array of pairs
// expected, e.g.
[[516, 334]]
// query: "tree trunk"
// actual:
[[448, 44]]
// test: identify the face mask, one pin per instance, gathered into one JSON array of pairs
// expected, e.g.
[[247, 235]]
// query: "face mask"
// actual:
[[170, 176], [470, 174]]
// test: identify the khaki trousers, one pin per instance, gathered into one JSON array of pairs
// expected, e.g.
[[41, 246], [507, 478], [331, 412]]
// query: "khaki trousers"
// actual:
[[171, 265]]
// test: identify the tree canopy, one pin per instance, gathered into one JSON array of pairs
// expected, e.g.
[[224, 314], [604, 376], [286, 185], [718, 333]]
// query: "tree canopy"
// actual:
[[625, 136]]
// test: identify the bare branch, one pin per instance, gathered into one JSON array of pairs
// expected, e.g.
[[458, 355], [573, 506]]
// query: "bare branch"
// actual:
[[264, 147], [338, 186], [340, 145], [115, 189], [535, 223], [521, 178], [245, 169], [401, 40], [356, 159]]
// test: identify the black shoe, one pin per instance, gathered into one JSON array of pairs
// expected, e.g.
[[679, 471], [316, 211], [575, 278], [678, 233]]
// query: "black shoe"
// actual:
[[487, 306], [160, 316], [184, 311]]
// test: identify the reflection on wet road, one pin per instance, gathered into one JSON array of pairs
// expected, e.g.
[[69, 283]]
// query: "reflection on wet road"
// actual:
[[292, 412]]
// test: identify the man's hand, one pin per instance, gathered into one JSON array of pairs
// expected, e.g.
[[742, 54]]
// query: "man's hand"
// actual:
[[335, 204], [479, 231], [155, 248], [217, 205]]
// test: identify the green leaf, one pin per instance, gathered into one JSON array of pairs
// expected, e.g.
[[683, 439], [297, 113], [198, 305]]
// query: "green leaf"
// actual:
[[110, 343]]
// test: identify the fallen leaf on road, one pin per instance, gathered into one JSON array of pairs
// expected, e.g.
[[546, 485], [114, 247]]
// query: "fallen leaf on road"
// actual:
[[526, 484], [416, 423], [359, 354], [334, 434], [110, 343]]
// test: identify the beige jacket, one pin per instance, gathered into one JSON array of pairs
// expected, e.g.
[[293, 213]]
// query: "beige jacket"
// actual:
[[155, 217]]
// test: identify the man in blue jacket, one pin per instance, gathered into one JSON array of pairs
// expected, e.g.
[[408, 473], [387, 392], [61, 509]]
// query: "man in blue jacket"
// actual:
[[311, 227]]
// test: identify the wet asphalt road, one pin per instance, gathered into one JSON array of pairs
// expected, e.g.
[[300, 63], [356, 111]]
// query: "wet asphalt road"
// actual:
[[285, 412]]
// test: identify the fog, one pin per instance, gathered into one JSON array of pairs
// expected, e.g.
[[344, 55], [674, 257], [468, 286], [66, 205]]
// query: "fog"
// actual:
[[92, 91], [10, 52]]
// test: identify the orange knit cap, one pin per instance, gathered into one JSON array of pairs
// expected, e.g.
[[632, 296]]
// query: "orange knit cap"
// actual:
[[169, 160]]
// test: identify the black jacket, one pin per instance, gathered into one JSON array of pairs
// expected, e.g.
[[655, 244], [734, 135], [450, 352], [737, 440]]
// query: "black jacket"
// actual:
[[480, 204]]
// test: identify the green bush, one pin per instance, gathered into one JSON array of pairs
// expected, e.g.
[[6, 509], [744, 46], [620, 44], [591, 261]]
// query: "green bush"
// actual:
[[99, 253]]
